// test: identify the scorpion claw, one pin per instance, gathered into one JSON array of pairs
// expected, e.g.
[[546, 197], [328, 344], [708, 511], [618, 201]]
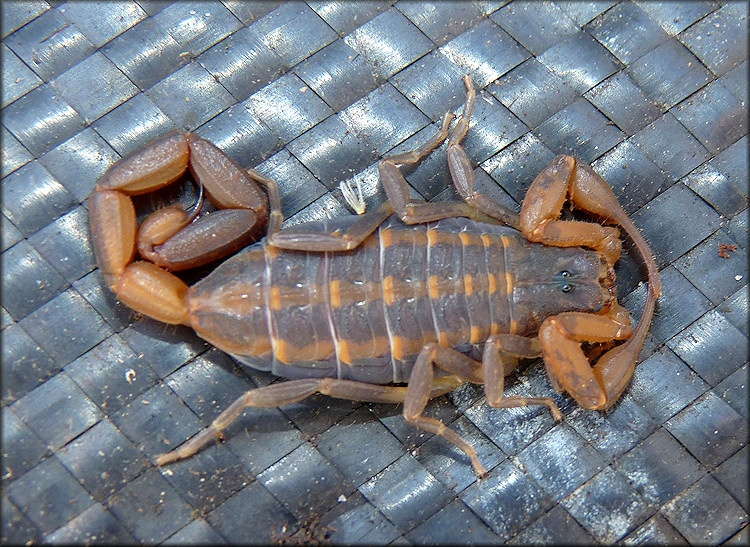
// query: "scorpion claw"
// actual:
[[561, 335]]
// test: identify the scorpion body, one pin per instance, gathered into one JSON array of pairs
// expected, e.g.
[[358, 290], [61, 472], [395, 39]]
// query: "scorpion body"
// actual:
[[365, 314], [427, 294]]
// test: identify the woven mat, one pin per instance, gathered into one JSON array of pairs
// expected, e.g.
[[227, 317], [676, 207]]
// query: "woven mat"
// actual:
[[653, 95]]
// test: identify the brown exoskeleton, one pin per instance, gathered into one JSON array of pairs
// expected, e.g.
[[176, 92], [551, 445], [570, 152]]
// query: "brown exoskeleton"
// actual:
[[427, 294]]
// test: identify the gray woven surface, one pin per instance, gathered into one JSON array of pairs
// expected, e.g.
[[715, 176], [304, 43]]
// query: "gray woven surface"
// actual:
[[654, 95]]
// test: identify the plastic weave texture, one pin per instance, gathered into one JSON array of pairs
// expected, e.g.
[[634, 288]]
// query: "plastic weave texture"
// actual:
[[653, 95]]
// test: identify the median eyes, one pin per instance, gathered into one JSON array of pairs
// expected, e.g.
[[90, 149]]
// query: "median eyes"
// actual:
[[565, 287]]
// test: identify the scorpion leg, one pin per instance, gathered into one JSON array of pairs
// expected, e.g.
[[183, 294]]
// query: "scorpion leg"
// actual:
[[500, 357], [462, 172], [299, 239], [293, 391], [397, 189]]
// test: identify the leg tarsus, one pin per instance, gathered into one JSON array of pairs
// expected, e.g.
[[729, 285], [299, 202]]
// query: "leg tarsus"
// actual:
[[462, 125], [500, 357]]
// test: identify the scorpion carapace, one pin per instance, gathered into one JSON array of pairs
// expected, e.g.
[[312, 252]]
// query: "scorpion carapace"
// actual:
[[427, 294]]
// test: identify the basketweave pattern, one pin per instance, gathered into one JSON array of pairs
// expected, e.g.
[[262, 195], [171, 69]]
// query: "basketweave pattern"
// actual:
[[653, 95]]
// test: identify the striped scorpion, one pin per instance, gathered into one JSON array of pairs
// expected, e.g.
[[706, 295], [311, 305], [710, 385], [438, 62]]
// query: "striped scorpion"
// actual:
[[430, 295]]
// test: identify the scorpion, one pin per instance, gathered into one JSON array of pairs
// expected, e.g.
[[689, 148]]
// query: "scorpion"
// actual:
[[430, 295]]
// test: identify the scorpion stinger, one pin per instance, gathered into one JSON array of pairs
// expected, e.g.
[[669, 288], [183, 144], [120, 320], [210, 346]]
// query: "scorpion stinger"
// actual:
[[171, 238]]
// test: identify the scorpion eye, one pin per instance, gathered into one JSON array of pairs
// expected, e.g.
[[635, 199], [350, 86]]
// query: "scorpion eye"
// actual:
[[565, 273], [566, 288]]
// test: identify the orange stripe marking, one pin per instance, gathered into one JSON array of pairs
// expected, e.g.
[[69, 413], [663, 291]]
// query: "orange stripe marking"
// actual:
[[276, 298], [468, 285], [434, 287], [389, 290], [335, 289]]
